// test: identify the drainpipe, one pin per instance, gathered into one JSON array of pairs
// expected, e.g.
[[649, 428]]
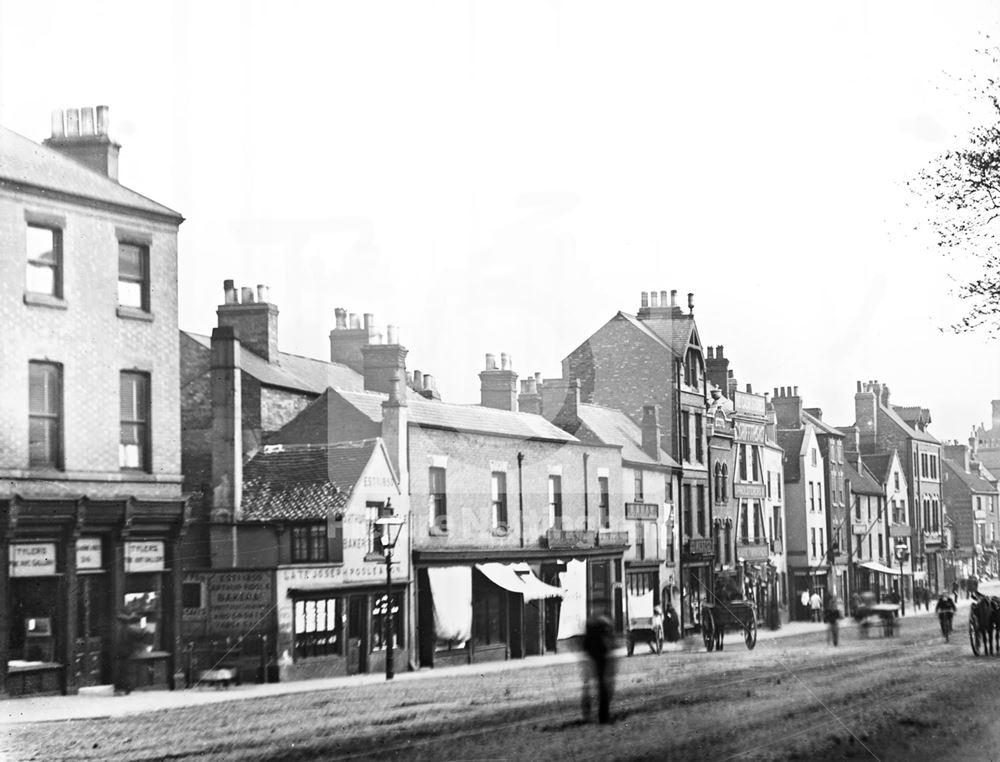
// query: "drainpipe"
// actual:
[[680, 493], [586, 501], [520, 495]]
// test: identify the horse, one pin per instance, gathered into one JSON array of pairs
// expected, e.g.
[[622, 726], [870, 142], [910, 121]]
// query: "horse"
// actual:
[[984, 623]]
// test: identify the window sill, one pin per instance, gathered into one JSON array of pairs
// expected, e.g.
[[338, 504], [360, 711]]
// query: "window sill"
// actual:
[[35, 299], [134, 313]]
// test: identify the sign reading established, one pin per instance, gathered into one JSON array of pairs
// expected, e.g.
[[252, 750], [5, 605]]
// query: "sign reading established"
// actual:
[[640, 511], [32, 559], [88, 553], [144, 556]]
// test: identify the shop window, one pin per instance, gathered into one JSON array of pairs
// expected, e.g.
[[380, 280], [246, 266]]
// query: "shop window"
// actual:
[[498, 498], [133, 276], [44, 250], [309, 543], [438, 499], [318, 627], [133, 448], [143, 606], [487, 616], [555, 502], [44, 415], [376, 511], [637, 485], [378, 622], [604, 506]]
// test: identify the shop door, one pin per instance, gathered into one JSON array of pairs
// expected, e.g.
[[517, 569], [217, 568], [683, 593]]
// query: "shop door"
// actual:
[[357, 634], [93, 630]]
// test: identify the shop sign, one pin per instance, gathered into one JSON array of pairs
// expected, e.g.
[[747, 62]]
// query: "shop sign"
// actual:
[[700, 546], [750, 432], [640, 511], [756, 491], [861, 528], [239, 601], [32, 559], [88, 553], [144, 556], [746, 403], [899, 530], [752, 552]]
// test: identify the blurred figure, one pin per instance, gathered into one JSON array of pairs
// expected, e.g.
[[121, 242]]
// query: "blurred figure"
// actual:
[[815, 605], [832, 617], [946, 611], [671, 627], [657, 623], [599, 645]]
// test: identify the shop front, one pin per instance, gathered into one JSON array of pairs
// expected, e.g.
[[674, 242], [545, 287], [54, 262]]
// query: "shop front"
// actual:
[[90, 594]]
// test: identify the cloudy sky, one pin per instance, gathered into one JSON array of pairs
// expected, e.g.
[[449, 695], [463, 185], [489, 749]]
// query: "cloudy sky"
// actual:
[[506, 176]]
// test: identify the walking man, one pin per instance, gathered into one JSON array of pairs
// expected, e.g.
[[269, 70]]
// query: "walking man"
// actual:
[[599, 644], [816, 606]]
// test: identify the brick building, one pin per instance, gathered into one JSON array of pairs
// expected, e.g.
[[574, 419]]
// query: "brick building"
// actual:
[[988, 441], [90, 474], [884, 427], [972, 507], [655, 357]]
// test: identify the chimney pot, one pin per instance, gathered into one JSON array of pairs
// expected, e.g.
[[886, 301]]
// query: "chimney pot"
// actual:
[[429, 382], [749, 389], [859, 387], [369, 321], [538, 378], [504, 361], [58, 127], [72, 122], [711, 353], [718, 351], [795, 391], [355, 321], [653, 299], [103, 120], [645, 299], [775, 391], [418, 380], [391, 334], [230, 291], [690, 302], [87, 121], [262, 293], [491, 362], [340, 318], [663, 298], [247, 294], [673, 297]]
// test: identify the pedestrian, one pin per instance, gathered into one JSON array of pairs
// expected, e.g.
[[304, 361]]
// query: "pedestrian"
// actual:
[[657, 622], [129, 641], [954, 589], [832, 616], [599, 645], [671, 628], [816, 606]]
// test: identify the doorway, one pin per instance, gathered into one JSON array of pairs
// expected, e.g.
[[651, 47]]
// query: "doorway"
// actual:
[[357, 634]]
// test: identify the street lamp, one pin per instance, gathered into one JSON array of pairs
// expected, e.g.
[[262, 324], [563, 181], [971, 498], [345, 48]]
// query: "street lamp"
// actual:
[[901, 553], [386, 525]]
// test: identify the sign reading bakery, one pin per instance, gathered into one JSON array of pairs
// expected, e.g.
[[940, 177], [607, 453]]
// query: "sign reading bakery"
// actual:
[[32, 559], [146, 556]]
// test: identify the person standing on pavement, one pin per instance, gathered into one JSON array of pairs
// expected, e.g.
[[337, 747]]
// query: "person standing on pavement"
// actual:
[[816, 606], [599, 645], [832, 616]]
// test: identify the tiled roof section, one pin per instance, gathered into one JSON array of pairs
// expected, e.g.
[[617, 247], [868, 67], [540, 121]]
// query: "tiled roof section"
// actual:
[[790, 440], [974, 482], [990, 459], [641, 325], [879, 465], [673, 332], [910, 431], [298, 373], [301, 483], [861, 483], [24, 162], [822, 428], [613, 427]]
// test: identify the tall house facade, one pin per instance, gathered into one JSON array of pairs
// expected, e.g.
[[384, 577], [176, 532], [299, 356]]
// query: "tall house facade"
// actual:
[[90, 474], [972, 515], [655, 357], [988, 441], [883, 427]]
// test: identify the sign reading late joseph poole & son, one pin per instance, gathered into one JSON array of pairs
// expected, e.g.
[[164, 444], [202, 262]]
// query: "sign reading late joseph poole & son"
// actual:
[[144, 556]]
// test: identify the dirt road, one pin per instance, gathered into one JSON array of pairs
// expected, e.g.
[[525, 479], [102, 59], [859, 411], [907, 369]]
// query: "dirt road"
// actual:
[[911, 697]]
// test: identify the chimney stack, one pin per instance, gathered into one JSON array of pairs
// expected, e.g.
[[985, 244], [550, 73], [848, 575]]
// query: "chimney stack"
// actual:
[[395, 426], [381, 363], [560, 398], [347, 338], [498, 386], [227, 427], [788, 408], [530, 398], [866, 416], [78, 135], [256, 322], [717, 370]]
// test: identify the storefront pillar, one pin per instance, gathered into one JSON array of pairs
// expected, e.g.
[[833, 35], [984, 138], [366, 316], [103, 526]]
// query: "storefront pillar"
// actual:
[[69, 598], [119, 666], [5, 611]]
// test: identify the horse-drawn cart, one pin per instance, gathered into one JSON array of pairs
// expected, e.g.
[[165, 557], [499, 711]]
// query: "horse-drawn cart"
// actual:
[[644, 629], [737, 616]]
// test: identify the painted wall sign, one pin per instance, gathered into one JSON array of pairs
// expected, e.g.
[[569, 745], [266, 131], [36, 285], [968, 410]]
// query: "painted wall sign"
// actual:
[[758, 491], [750, 432], [701, 546], [33, 559], [88, 553], [640, 511], [144, 556], [752, 552], [749, 404], [899, 530], [238, 602]]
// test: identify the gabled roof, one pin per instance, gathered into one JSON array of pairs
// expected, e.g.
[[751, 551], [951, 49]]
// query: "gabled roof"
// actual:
[[910, 431], [645, 329], [303, 482], [861, 482], [613, 427], [28, 166], [822, 428], [297, 373], [974, 482], [320, 415], [790, 440], [879, 465], [989, 458]]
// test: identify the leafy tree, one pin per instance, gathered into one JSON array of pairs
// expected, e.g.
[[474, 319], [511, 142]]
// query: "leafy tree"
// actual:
[[962, 189]]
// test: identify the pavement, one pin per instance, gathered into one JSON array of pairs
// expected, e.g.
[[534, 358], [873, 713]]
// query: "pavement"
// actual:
[[80, 707]]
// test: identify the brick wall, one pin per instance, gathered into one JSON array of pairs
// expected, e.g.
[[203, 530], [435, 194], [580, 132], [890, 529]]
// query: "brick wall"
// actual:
[[93, 344]]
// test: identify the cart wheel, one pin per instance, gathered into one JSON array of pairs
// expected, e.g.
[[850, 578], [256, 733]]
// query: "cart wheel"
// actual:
[[629, 644], [708, 630], [974, 635], [750, 635]]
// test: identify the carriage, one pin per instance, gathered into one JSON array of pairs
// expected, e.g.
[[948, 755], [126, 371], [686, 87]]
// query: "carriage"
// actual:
[[643, 629], [736, 616]]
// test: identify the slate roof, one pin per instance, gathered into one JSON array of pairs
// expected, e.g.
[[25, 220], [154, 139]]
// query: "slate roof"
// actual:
[[990, 459], [879, 465], [790, 440], [861, 482], [28, 165], [302, 482], [909, 430], [973, 482], [822, 428], [613, 427], [298, 373]]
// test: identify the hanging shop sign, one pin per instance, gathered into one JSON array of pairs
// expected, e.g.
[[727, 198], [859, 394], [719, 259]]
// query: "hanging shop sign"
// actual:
[[641, 511], [701, 546], [144, 556], [750, 432], [88, 553], [34, 559], [745, 403], [757, 491]]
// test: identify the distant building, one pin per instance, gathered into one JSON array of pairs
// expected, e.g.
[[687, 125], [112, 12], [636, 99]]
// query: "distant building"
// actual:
[[90, 473], [972, 506], [988, 441]]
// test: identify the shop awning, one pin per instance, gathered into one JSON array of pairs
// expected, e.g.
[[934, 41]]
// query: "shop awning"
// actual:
[[877, 567], [522, 582]]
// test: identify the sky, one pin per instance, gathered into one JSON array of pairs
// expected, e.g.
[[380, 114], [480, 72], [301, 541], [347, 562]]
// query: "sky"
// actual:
[[506, 176]]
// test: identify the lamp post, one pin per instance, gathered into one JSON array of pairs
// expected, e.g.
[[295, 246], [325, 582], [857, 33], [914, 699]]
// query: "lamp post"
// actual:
[[901, 554], [389, 538]]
